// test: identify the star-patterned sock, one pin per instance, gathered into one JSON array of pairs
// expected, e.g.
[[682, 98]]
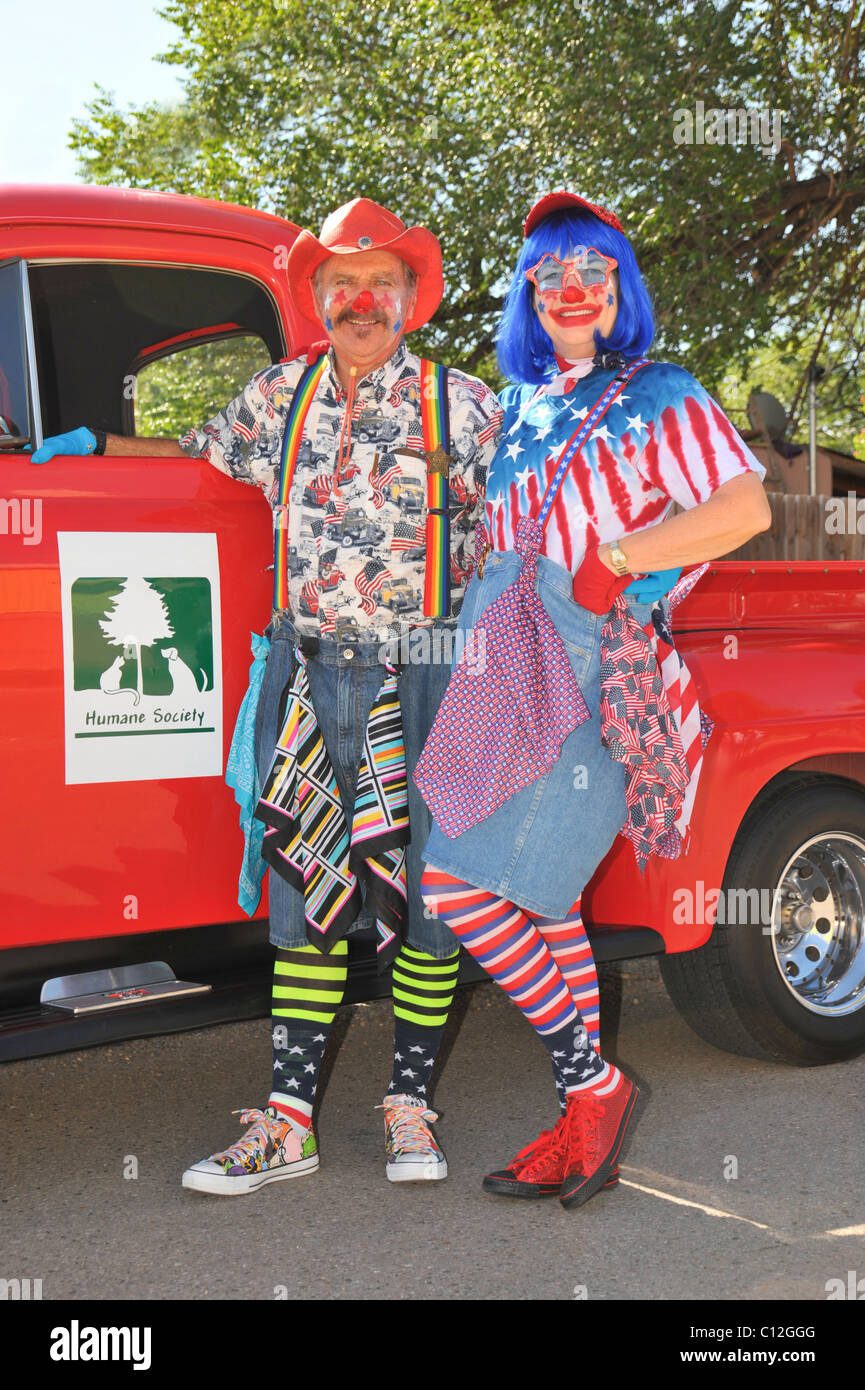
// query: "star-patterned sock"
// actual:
[[576, 1064], [511, 948], [307, 990], [423, 990]]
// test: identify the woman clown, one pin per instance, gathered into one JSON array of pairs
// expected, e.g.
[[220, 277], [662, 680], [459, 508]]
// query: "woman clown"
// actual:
[[567, 609]]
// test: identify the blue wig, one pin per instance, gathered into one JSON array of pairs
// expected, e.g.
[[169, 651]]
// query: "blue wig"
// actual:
[[525, 351]]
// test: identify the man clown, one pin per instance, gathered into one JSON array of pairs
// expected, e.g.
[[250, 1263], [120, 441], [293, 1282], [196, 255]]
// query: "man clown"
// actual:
[[374, 464]]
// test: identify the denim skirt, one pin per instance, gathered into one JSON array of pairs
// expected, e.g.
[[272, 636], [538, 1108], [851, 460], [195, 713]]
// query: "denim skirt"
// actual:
[[344, 680], [540, 848]]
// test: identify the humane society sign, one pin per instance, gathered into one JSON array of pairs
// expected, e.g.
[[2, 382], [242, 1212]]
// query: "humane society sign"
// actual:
[[142, 660]]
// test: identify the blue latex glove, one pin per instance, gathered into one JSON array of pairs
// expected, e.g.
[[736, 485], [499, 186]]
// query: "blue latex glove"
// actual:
[[652, 586], [80, 441]]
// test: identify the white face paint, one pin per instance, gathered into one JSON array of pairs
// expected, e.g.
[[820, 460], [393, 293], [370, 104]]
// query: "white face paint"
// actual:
[[396, 303], [364, 303], [571, 313]]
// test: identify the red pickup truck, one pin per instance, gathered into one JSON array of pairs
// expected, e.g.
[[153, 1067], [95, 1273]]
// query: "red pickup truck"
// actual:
[[130, 587]]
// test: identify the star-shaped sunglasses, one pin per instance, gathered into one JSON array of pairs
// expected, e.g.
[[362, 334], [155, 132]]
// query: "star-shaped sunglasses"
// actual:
[[590, 267]]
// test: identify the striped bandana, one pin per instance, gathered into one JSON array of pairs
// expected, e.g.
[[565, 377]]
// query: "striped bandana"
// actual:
[[308, 841], [652, 722]]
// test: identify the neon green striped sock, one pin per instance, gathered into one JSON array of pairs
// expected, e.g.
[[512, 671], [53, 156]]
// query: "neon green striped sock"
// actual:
[[423, 990], [307, 990]]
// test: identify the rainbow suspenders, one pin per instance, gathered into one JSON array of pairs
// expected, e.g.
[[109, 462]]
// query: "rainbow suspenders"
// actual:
[[436, 443], [298, 410]]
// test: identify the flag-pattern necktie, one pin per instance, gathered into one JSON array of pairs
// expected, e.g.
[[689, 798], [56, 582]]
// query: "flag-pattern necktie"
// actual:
[[511, 703], [652, 722]]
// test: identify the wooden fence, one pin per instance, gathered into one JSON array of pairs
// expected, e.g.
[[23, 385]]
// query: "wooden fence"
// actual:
[[801, 530]]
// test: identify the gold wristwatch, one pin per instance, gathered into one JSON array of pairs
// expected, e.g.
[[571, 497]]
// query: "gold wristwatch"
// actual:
[[618, 559]]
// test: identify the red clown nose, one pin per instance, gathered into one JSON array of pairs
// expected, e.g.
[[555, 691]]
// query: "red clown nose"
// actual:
[[570, 294], [364, 302]]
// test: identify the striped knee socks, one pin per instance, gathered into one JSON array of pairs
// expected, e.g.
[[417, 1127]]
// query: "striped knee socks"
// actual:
[[513, 951], [423, 989], [570, 949], [307, 991]]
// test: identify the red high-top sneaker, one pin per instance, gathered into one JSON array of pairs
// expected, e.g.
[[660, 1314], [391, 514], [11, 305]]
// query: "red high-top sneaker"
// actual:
[[596, 1125], [539, 1168]]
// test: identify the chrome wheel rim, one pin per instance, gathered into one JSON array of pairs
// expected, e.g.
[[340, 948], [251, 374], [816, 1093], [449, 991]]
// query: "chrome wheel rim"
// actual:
[[818, 924]]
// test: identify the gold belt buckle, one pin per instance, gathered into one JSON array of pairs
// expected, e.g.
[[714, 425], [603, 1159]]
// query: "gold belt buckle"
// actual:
[[482, 561]]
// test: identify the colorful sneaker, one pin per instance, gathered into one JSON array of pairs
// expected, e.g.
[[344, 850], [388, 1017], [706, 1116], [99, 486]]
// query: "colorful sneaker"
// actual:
[[597, 1126], [270, 1149], [539, 1169], [412, 1152]]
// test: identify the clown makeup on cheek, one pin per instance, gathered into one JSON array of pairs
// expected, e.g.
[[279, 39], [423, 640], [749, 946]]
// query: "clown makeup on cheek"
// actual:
[[364, 301], [392, 303], [364, 304], [334, 303]]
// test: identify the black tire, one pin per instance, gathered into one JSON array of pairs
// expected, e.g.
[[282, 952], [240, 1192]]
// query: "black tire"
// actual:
[[732, 991]]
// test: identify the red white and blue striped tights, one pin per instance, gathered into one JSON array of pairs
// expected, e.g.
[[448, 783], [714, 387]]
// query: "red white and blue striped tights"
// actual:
[[545, 966]]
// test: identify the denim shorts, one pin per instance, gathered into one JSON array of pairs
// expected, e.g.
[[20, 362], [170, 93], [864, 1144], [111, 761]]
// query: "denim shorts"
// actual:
[[344, 680], [541, 847]]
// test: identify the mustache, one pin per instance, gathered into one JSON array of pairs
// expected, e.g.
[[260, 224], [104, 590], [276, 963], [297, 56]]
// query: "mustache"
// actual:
[[348, 313]]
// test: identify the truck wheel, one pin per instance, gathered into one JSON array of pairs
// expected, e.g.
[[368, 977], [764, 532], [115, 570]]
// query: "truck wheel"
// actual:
[[787, 984]]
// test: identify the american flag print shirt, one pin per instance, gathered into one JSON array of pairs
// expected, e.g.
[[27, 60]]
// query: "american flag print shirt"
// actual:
[[357, 510], [664, 439]]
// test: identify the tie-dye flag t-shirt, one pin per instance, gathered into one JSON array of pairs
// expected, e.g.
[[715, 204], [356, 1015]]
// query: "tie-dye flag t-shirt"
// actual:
[[664, 439]]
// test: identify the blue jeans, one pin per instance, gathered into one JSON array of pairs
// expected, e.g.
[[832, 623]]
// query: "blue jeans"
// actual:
[[541, 847], [343, 689]]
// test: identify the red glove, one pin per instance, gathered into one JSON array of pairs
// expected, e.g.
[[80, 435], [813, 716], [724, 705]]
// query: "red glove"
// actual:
[[596, 587]]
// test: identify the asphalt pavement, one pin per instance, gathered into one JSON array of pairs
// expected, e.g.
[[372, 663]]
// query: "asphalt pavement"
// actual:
[[741, 1181]]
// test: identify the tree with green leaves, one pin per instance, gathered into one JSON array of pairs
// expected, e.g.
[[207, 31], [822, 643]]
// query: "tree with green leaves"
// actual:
[[459, 113]]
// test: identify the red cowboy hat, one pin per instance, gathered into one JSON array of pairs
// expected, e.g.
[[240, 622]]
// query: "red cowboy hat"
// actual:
[[551, 202], [363, 225]]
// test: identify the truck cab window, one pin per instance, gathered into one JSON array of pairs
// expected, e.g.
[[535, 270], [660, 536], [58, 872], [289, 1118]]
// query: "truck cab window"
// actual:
[[14, 408], [97, 324], [173, 392]]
